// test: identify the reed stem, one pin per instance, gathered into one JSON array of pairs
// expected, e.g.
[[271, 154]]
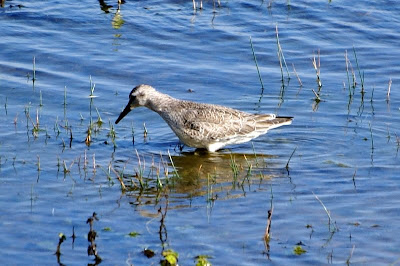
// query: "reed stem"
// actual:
[[281, 57], [34, 70], [388, 91], [255, 61], [359, 71]]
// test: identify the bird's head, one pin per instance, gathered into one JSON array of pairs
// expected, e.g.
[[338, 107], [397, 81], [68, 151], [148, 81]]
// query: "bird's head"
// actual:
[[138, 97]]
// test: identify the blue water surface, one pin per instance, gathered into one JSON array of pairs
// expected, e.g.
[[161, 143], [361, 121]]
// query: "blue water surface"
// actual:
[[339, 156]]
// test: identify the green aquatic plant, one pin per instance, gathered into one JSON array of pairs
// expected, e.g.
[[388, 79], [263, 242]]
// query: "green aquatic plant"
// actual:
[[35, 125], [157, 169], [170, 257], [255, 61], [202, 260], [281, 57], [148, 253], [38, 163], [349, 67], [173, 165], [120, 176], [133, 234], [267, 234], [372, 136], [298, 250], [61, 239], [388, 90], [297, 76], [92, 87], [290, 157], [34, 70], [88, 138], [40, 98], [317, 66], [200, 6], [99, 121], [140, 170], [144, 130], [211, 181], [5, 105], [234, 167], [359, 71], [112, 133], [350, 255], [330, 221], [56, 127], [65, 96], [254, 153], [92, 248], [133, 134], [249, 171]]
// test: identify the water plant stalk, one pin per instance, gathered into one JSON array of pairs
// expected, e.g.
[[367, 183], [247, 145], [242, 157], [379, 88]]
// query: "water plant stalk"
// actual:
[[34, 70], [287, 164], [388, 91], [65, 96], [61, 239], [281, 57], [99, 120], [38, 163], [372, 137], [235, 168], [317, 67], [140, 172], [268, 227], [297, 75], [5, 104], [328, 214], [347, 72], [255, 61], [173, 165], [144, 130], [255, 154], [359, 71], [40, 98], [351, 255], [120, 179]]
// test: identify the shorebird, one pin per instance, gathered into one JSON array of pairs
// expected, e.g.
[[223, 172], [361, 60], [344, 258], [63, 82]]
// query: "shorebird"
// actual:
[[202, 125]]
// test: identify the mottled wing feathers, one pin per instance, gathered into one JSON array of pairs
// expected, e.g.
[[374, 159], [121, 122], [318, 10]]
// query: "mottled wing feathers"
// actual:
[[219, 123]]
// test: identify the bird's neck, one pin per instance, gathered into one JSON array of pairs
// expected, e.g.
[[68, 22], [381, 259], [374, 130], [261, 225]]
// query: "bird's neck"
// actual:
[[158, 102]]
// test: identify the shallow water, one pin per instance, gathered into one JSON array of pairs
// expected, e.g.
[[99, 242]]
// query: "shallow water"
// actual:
[[345, 146]]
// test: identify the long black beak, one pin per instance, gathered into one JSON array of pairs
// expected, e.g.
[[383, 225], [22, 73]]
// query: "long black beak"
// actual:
[[124, 113]]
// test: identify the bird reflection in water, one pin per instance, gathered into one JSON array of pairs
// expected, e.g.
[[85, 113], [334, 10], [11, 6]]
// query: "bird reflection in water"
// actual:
[[117, 20], [194, 174]]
